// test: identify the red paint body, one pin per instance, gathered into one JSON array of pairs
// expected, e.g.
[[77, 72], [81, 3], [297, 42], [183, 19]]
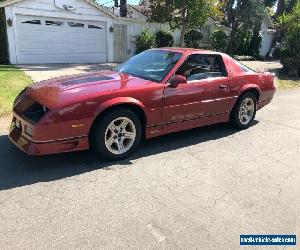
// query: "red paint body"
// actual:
[[74, 108]]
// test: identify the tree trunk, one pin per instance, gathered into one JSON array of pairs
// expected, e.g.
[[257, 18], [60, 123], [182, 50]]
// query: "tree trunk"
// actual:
[[184, 27], [182, 33], [232, 37], [233, 32]]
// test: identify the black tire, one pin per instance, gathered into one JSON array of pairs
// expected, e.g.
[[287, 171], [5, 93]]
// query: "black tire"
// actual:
[[97, 135], [235, 117]]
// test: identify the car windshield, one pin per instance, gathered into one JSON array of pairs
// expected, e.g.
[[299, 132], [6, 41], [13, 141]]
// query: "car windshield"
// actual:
[[151, 65]]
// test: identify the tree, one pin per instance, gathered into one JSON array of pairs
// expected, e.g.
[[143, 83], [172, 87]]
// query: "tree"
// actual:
[[285, 6], [242, 16], [290, 25], [280, 7], [269, 3], [255, 42], [181, 14]]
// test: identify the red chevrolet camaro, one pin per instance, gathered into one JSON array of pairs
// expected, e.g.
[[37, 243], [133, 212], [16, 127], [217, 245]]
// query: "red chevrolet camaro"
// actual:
[[157, 92]]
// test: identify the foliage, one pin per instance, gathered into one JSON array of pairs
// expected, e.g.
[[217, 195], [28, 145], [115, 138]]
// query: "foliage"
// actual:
[[145, 40], [12, 81], [219, 40], [246, 43], [269, 3], [241, 43], [289, 5], [164, 39], [280, 52], [244, 58], [242, 16], [291, 65], [293, 30], [285, 6], [290, 51], [191, 14], [255, 42], [218, 10], [192, 39]]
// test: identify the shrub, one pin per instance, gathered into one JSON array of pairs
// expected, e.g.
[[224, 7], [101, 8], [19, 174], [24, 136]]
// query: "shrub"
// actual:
[[280, 51], [291, 65], [246, 43], [145, 40], [244, 58], [193, 38], [241, 43], [219, 40], [164, 39], [290, 55], [290, 26]]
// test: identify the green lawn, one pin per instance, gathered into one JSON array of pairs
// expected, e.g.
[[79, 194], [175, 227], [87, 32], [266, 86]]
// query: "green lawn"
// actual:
[[12, 81]]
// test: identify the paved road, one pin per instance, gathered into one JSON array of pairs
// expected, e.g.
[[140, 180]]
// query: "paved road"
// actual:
[[198, 189]]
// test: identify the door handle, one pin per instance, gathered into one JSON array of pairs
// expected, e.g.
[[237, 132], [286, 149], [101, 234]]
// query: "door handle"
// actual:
[[222, 86]]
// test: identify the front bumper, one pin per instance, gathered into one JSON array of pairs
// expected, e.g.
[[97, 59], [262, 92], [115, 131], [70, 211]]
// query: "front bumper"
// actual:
[[30, 147]]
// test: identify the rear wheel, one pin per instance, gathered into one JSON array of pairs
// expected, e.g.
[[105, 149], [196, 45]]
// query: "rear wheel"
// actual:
[[244, 111], [116, 135]]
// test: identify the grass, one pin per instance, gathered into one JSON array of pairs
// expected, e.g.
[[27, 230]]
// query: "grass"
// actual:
[[288, 83], [12, 82]]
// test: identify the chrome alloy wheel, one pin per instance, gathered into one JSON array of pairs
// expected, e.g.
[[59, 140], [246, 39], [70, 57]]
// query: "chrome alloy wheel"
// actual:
[[246, 111], [120, 135]]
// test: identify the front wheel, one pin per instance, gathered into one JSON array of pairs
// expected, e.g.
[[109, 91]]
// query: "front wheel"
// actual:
[[116, 135], [244, 111]]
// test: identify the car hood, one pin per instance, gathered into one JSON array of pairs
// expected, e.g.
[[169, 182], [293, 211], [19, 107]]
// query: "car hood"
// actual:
[[65, 90]]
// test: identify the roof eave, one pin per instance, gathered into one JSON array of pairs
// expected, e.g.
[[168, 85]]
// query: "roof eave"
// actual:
[[99, 7]]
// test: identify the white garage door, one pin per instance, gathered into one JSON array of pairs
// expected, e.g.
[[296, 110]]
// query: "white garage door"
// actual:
[[51, 40]]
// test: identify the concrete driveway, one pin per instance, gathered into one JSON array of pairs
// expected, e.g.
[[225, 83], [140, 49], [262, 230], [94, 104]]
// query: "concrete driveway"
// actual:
[[198, 189], [46, 71]]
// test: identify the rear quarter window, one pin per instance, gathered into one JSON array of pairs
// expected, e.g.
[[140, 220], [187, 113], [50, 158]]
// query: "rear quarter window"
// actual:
[[244, 67]]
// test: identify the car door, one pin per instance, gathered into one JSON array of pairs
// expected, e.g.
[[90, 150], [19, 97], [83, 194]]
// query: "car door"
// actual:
[[206, 93]]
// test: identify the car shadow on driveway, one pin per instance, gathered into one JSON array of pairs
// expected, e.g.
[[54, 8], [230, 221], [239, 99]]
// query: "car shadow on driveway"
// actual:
[[18, 169]]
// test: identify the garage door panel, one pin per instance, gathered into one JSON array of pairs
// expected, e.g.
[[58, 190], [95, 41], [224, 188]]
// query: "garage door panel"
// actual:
[[85, 36], [60, 41], [44, 45], [29, 52], [39, 39]]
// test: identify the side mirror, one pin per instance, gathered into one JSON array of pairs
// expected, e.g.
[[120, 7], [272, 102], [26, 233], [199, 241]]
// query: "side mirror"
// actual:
[[176, 80]]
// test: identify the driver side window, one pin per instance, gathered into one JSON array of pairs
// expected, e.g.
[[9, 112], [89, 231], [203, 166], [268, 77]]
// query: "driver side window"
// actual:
[[200, 67]]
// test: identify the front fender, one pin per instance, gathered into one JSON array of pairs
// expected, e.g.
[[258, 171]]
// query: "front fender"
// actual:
[[118, 101]]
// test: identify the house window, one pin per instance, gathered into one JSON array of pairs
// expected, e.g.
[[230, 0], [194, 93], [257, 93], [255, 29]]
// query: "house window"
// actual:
[[90, 26], [54, 23], [33, 22], [76, 25]]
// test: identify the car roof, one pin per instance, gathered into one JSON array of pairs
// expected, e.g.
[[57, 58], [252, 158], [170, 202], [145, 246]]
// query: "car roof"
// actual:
[[187, 50]]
